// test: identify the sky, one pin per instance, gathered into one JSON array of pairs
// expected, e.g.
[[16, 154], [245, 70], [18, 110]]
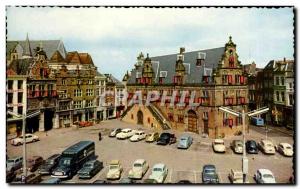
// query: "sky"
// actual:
[[115, 36]]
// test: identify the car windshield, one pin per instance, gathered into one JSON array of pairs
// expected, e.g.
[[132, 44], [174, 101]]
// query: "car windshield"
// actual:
[[269, 145], [157, 169], [137, 165], [65, 162], [10, 161], [183, 139], [164, 135], [268, 176], [209, 171], [50, 161], [288, 147], [113, 167], [88, 165], [239, 144], [219, 143]]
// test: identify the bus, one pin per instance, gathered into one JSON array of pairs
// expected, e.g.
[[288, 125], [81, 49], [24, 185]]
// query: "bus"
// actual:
[[73, 158], [257, 121]]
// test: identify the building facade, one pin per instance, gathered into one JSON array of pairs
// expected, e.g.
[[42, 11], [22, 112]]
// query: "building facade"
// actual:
[[100, 80], [212, 78]]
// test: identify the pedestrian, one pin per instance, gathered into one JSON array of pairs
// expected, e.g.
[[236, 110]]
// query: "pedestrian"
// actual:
[[99, 135]]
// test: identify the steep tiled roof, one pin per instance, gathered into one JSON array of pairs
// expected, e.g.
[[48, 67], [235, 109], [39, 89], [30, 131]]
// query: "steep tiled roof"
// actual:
[[20, 66], [79, 58], [193, 73], [57, 57]]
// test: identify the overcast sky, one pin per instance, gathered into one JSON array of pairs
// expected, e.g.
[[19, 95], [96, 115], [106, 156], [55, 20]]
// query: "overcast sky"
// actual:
[[115, 36]]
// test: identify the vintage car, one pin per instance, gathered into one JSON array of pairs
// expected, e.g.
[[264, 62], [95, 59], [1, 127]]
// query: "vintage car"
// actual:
[[127, 181], [28, 138], [237, 146], [285, 149], [251, 147], [149, 181], [185, 142], [266, 146], [31, 178], [49, 164], [10, 175], [159, 172], [219, 145], [51, 181], [14, 163], [90, 169], [236, 176], [138, 135], [101, 182], [34, 162], [139, 169], [152, 137], [166, 138], [114, 170], [114, 132], [209, 174], [264, 176], [125, 133]]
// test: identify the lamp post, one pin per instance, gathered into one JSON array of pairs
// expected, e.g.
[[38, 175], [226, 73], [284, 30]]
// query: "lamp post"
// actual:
[[24, 116], [243, 115]]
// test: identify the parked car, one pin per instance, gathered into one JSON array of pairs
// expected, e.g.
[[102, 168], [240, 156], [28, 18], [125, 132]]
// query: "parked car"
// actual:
[[159, 172], [237, 146], [166, 138], [90, 169], [34, 162], [264, 176], [236, 176], [125, 133], [139, 169], [266, 146], [185, 142], [86, 123], [101, 182], [285, 149], [149, 181], [49, 165], [152, 137], [114, 132], [138, 135], [209, 174], [126, 181], [184, 182], [14, 163], [251, 147], [10, 175], [51, 181], [28, 138], [114, 170], [219, 145]]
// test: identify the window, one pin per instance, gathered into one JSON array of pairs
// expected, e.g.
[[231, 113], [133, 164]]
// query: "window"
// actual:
[[89, 103], [89, 92], [63, 81], [170, 116], [282, 96], [131, 116], [63, 105], [90, 82], [205, 115], [10, 84], [77, 104], [79, 82], [290, 85], [282, 80], [20, 84], [291, 99], [77, 92], [9, 98], [277, 96], [277, 80], [20, 97], [20, 110], [180, 119]]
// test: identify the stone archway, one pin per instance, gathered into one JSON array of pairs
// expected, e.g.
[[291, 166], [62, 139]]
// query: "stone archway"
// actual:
[[140, 117], [192, 121]]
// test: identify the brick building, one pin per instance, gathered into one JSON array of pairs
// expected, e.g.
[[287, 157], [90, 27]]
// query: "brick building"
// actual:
[[216, 75]]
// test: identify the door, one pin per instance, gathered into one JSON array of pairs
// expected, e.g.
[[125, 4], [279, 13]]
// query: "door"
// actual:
[[192, 121], [140, 117], [205, 122]]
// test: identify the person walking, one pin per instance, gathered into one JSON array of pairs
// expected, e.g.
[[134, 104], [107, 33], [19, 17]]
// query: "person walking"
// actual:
[[99, 134]]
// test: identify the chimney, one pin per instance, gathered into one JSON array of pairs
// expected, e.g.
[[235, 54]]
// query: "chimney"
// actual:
[[284, 60], [182, 50]]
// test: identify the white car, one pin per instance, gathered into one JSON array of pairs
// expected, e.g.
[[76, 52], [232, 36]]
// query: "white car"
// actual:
[[264, 176], [139, 169], [266, 146], [139, 135], [125, 133], [219, 145], [285, 149], [28, 138], [114, 132], [114, 170], [159, 172]]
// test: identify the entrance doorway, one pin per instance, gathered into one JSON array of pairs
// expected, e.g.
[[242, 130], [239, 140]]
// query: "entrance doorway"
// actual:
[[192, 121], [140, 117]]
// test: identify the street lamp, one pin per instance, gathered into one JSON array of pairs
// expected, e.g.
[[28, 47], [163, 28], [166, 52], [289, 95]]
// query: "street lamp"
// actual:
[[23, 133], [243, 115]]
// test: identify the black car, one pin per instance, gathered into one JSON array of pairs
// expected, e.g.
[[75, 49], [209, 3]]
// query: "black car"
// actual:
[[90, 169], [166, 138], [49, 164], [209, 174], [251, 147], [127, 181], [101, 182], [184, 182]]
